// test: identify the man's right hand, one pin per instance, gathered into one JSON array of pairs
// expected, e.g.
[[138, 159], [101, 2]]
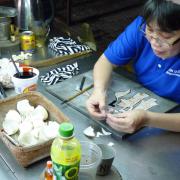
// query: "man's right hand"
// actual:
[[96, 105]]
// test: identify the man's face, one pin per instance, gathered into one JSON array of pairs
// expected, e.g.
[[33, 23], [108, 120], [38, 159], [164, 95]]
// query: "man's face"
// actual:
[[163, 44]]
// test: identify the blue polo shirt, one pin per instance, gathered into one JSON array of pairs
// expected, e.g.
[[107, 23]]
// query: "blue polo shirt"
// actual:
[[160, 76]]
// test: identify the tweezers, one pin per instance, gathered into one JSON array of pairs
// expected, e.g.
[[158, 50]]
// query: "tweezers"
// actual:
[[2, 92]]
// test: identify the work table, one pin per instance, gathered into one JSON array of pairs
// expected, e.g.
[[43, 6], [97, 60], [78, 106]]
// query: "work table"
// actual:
[[149, 154]]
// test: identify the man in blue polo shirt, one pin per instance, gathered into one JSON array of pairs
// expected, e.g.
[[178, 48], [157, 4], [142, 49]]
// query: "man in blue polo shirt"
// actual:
[[152, 42]]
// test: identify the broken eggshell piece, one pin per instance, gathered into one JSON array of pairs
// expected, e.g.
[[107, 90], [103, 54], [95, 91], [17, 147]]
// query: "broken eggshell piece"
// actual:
[[41, 111], [24, 108], [10, 127], [89, 132], [27, 139], [11, 122], [13, 115], [25, 126], [29, 123], [37, 120], [120, 94], [51, 129]]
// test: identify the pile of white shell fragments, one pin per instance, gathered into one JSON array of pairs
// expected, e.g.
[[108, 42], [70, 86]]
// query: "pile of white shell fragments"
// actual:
[[30, 124]]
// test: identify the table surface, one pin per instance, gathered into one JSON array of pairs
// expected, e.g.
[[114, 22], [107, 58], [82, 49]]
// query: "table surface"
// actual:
[[68, 88], [149, 154]]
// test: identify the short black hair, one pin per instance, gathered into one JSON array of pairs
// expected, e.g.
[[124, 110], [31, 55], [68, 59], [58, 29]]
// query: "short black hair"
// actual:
[[164, 12]]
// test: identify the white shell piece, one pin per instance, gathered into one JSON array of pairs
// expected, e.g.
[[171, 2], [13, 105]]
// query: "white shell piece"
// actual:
[[126, 103], [15, 58], [35, 132], [41, 111], [27, 139], [122, 93], [25, 126], [21, 103], [10, 127], [38, 123], [105, 132], [24, 108], [54, 125], [42, 134], [13, 115], [89, 132], [21, 56], [110, 144], [147, 104], [99, 134], [51, 130], [37, 120]]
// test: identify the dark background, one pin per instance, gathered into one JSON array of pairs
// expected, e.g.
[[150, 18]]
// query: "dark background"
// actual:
[[107, 18]]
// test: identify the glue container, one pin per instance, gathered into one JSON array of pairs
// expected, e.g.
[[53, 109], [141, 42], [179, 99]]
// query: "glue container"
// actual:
[[66, 154]]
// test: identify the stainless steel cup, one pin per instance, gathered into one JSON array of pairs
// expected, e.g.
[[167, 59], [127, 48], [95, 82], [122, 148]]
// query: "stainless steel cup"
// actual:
[[108, 154], [4, 28]]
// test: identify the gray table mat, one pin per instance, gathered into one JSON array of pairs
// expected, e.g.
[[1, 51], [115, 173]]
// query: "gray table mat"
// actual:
[[67, 88]]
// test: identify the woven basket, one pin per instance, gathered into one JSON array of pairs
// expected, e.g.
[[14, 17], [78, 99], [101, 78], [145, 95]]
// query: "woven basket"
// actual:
[[28, 155]]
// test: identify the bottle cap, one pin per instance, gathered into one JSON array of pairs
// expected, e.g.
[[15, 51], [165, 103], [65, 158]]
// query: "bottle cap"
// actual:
[[49, 164], [66, 129]]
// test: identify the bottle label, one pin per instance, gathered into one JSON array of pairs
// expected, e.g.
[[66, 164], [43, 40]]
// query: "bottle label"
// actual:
[[65, 172], [66, 160]]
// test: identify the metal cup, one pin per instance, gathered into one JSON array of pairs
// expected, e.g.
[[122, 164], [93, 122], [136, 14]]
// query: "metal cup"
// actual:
[[108, 154], [4, 28], [91, 157]]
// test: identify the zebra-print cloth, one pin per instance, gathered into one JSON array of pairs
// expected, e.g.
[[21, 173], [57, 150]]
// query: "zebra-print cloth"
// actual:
[[59, 74], [61, 46]]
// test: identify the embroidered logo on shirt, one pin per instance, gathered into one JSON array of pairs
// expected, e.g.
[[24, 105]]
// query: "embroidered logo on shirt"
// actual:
[[173, 72]]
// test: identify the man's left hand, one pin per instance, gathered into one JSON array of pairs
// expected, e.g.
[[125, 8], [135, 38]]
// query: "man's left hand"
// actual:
[[128, 122]]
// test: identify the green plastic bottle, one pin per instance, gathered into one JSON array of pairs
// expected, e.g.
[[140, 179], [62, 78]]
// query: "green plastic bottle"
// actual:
[[66, 154]]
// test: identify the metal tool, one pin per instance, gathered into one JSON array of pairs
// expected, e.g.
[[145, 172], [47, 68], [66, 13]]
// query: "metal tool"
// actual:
[[11, 139], [2, 92], [17, 70], [77, 94], [7, 15], [32, 13], [82, 83]]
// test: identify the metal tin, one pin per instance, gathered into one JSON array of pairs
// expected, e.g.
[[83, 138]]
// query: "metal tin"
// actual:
[[4, 28], [27, 41]]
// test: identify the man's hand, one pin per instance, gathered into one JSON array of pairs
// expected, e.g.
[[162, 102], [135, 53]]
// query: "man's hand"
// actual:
[[96, 105], [128, 121]]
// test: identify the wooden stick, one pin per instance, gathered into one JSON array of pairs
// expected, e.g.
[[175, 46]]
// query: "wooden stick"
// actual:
[[79, 93]]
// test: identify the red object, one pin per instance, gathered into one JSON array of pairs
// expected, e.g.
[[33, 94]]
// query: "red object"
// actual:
[[26, 68]]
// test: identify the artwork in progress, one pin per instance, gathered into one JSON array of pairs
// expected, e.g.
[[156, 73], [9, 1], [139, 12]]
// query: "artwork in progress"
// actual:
[[130, 100]]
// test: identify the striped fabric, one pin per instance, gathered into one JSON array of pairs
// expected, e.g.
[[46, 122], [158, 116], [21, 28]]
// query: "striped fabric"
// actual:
[[61, 46], [59, 74]]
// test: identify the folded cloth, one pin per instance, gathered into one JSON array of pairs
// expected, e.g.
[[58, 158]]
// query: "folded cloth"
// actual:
[[65, 46], [59, 74]]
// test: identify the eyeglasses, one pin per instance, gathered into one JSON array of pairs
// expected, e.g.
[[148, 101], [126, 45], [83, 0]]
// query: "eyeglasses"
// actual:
[[161, 42]]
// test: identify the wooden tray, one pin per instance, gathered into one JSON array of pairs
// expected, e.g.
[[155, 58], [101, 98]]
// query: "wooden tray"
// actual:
[[28, 155], [49, 61], [67, 89]]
